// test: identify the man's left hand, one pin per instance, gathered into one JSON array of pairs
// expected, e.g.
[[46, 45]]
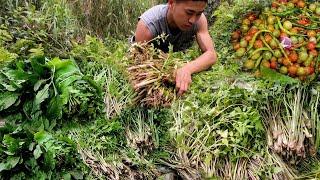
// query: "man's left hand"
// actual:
[[183, 80]]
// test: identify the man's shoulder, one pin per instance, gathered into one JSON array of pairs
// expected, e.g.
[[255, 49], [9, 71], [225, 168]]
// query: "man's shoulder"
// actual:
[[155, 13]]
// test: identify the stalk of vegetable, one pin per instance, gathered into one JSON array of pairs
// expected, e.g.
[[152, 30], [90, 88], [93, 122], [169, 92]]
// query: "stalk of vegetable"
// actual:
[[314, 105], [291, 127], [151, 73]]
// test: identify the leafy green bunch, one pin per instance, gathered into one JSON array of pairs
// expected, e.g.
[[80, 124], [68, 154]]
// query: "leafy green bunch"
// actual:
[[27, 152], [50, 88]]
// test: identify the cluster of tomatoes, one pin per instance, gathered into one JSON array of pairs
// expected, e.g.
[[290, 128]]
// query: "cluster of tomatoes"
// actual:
[[284, 37]]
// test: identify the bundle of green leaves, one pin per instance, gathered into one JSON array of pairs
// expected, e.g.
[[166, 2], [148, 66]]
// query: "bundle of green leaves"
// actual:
[[47, 87], [26, 152]]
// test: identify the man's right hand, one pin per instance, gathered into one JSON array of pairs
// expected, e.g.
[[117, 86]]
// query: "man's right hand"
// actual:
[[183, 79]]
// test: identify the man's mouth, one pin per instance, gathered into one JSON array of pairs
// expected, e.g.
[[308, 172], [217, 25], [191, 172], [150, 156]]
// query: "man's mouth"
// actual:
[[188, 25]]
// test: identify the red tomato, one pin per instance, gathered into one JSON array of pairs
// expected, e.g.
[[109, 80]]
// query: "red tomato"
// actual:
[[301, 71], [273, 65], [286, 62], [292, 70], [236, 46], [303, 22], [310, 70], [258, 44], [311, 45], [301, 4], [252, 16], [283, 34], [235, 34], [314, 52], [294, 30], [248, 37], [253, 31], [312, 64], [268, 38], [311, 33], [293, 56], [266, 64], [274, 4]]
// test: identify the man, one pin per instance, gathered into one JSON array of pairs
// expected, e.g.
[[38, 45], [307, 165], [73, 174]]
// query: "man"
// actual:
[[181, 21]]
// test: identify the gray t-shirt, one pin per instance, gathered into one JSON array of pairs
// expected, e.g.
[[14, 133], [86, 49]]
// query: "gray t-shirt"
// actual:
[[156, 21]]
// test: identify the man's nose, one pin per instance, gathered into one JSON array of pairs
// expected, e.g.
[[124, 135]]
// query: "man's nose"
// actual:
[[192, 19]]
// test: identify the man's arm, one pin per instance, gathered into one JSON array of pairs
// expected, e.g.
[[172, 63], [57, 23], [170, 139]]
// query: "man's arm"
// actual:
[[142, 34], [203, 62]]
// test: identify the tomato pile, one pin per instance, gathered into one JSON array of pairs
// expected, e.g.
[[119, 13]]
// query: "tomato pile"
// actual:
[[284, 37]]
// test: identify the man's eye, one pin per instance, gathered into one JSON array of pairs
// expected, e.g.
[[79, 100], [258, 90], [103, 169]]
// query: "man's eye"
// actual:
[[189, 13], [199, 14]]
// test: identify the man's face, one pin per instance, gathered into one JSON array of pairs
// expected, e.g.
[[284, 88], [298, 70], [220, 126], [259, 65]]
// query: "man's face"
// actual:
[[186, 13]]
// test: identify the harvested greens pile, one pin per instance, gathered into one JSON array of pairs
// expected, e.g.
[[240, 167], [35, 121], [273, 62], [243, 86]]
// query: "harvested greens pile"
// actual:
[[100, 109], [151, 73]]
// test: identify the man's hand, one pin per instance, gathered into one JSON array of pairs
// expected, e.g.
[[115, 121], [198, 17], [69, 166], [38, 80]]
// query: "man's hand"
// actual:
[[183, 80]]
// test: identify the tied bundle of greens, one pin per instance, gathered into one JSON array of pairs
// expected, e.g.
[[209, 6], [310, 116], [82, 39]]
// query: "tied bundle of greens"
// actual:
[[292, 124], [151, 72], [39, 87]]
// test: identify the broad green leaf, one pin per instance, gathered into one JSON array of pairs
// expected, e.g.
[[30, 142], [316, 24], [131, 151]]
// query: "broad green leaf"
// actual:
[[27, 107], [57, 63], [42, 95], [38, 65], [38, 84], [13, 161], [7, 99], [53, 124], [14, 75], [77, 174], [3, 167], [37, 152], [49, 159], [55, 106], [9, 163], [65, 95], [42, 137], [68, 81], [9, 87], [46, 123], [277, 77], [67, 176], [11, 144], [31, 146], [66, 71]]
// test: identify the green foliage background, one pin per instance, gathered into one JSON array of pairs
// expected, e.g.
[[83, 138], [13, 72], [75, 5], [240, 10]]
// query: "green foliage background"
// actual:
[[66, 105]]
